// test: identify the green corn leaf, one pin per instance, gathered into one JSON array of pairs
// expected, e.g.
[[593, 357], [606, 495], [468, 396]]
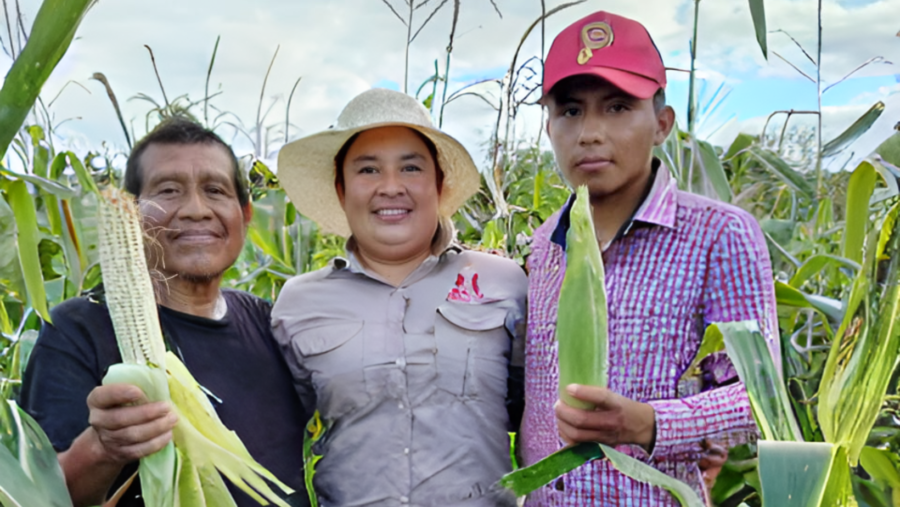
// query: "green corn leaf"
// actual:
[[867, 349], [49, 186], [829, 309], [859, 192], [30, 475], [758, 12], [801, 473], [581, 329], [52, 32], [712, 167], [768, 396], [783, 170], [890, 149], [859, 127], [22, 205], [882, 465], [525, 480], [81, 172], [645, 473], [815, 264], [741, 143]]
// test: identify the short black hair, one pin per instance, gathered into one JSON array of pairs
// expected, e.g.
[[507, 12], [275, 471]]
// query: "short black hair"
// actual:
[[179, 130], [659, 98]]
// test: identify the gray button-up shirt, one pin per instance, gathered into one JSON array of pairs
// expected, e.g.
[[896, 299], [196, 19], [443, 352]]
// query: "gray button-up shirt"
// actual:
[[411, 380]]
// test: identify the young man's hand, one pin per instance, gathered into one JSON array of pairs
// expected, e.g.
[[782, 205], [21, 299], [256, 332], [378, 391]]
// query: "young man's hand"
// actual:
[[615, 420], [126, 425]]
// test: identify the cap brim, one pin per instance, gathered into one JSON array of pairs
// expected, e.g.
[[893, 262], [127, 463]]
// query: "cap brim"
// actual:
[[306, 172], [630, 83]]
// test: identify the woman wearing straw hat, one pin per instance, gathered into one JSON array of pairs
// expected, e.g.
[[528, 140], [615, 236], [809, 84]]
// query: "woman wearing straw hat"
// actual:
[[407, 346]]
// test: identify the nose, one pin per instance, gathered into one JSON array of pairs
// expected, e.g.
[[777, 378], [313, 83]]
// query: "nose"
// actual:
[[392, 184], [194, 206], [593, 129]]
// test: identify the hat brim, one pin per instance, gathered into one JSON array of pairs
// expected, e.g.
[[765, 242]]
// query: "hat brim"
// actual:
[[306, 171], [629, 82]]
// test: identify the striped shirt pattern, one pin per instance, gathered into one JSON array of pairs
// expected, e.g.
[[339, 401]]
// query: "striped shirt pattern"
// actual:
[[684, 262]]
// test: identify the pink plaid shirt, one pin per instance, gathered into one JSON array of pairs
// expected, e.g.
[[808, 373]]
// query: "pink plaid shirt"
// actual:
[[684, 262]]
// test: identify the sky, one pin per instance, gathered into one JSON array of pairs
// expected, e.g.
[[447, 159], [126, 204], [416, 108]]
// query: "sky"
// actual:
[[340, 48]]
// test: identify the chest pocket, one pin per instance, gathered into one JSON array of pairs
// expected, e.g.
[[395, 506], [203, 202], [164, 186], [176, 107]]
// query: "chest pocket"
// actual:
[[332, 352], [473, 349]]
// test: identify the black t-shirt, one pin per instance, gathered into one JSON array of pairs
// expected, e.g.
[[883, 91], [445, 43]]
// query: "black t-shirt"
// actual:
[[236, 359]]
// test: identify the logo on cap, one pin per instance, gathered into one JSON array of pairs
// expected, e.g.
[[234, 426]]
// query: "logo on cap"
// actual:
[[594, 36]]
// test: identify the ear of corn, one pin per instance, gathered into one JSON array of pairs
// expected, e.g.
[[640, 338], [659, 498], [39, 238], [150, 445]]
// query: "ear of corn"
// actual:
[[188, 472], [583, 341], [581, 327]]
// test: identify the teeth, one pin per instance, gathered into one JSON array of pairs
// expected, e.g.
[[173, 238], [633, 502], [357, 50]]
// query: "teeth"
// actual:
[[389, 212]]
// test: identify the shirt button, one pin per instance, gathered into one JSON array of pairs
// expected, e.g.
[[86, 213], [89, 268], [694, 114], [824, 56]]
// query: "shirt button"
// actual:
[[403, 499], [406, 451], [400, 406], [401, 362]]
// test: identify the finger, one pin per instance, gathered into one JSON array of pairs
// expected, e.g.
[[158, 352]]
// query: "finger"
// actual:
[[571, 435], [114, 395], [120, 417], [137, 433], [140, 450], [598, 420], [597, 396]]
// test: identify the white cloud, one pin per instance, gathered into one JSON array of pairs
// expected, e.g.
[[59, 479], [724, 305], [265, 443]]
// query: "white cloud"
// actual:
[[341, 47]]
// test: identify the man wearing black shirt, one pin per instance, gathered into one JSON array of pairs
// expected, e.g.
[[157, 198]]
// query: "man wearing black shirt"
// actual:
[[196, 207]]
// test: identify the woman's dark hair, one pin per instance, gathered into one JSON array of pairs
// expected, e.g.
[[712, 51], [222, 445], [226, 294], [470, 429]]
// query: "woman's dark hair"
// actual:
[[341, 157], [180, 130]]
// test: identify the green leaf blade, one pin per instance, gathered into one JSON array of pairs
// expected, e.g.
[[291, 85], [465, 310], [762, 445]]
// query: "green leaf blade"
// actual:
[[758, 13], [854, 131], [28, 237]]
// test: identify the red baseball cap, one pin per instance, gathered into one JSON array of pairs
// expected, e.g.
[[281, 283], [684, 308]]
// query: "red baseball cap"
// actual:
[[608, 46]]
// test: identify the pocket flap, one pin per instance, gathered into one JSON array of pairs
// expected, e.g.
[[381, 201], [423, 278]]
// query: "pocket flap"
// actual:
[[475, 317], [320, 337]]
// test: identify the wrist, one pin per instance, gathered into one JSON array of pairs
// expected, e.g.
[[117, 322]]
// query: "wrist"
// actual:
[[644, 426]]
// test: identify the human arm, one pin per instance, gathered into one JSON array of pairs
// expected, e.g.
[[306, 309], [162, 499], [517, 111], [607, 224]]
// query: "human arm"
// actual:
[[737, 286], [124, 427], [67, 364]]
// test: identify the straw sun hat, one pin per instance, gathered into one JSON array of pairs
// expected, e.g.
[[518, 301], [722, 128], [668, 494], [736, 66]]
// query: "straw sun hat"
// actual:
[[306, 166]]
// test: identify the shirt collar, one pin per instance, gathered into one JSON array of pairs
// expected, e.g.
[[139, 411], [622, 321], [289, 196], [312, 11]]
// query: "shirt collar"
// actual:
[[658, 207], [352, 264]]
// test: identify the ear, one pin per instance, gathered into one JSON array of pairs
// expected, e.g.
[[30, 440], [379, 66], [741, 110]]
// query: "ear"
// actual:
[[547, 128], [665, 121]]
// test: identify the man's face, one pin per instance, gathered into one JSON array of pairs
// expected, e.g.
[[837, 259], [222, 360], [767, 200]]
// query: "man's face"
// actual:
[[190, 206], [603, 137]]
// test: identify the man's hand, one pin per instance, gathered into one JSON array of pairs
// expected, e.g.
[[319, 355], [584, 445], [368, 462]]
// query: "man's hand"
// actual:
[[615, 420], [714, 458], [126, 425]]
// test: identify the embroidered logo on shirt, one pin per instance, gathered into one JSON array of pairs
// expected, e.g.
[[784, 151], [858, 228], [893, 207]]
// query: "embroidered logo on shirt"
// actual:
[[466, 289]]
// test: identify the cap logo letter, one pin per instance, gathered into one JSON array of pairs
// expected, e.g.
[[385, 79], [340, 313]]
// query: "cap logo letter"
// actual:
[[594, 36]]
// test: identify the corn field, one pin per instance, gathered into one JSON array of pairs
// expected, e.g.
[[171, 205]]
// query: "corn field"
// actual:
[[825, 232]]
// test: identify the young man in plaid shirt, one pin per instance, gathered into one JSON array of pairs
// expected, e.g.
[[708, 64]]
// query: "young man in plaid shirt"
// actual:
[[675, 262]]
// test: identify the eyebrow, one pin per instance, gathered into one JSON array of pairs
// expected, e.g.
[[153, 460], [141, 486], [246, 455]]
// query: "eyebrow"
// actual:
[[404, 157]]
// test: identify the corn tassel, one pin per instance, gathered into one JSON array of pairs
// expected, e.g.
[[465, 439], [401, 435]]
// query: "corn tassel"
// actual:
[[186, 473]]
